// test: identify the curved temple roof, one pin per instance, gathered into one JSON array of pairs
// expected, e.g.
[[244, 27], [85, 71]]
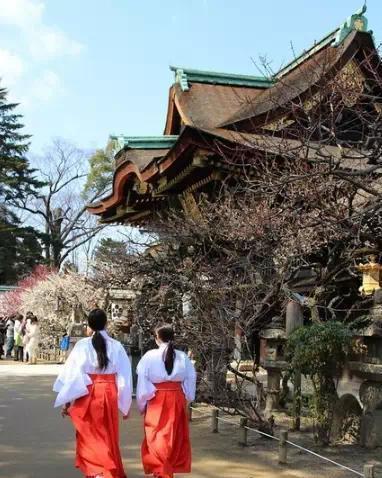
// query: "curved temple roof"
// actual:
[[204, 105]]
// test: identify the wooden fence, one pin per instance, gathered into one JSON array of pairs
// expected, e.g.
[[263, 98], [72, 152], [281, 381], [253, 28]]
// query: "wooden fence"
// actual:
[[52, 354]]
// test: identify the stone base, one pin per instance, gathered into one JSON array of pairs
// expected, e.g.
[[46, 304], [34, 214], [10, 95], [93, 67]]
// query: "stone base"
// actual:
[[371, 429], [346, 420]]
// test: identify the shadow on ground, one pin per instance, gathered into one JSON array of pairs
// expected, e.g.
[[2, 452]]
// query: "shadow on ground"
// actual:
[[35, 442]]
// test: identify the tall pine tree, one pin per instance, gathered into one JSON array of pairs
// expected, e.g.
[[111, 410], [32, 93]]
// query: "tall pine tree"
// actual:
[[20, 250]]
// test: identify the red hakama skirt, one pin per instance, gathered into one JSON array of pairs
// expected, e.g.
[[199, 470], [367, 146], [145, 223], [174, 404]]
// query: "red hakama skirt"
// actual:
[[95, 418], [166, 447]]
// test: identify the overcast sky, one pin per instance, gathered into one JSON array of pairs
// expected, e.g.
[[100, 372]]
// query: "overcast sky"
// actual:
[[83, 69]]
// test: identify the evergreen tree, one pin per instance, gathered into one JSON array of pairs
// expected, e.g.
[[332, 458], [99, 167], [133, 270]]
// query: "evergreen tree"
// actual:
[[110, 250], [16, 176], [20, 250], [101, 169]]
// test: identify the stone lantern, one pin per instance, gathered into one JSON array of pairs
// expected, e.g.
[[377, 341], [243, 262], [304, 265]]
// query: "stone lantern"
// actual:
[[365, 375], [77, 327], [272, 345], [371, 278]]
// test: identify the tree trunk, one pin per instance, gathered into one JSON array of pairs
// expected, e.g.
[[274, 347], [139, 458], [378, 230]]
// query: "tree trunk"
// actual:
[[325, 400], [56, 237]]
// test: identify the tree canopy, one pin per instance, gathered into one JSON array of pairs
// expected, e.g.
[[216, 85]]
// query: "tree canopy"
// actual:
[[20, 250], [16, 176], [100, 173]]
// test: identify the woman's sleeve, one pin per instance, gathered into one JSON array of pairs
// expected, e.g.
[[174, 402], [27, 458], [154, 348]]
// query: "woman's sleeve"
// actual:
[[189, 383], [124, 381], [145, 388], [33, 332], [72, 382]]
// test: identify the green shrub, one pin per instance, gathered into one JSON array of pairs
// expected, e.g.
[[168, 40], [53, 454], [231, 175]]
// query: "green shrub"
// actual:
[[319, 352]]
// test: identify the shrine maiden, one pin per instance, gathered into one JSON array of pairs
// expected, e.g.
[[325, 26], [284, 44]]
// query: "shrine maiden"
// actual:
[[166, 381], [94, 383]]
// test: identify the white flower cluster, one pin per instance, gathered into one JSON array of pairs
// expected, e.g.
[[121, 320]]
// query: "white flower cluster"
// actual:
[[55, 299]]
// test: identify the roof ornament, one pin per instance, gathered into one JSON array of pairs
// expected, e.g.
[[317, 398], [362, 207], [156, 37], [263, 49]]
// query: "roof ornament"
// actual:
[[120, 142], [356, 22], [141, 142], [114, 144], [181, 78]]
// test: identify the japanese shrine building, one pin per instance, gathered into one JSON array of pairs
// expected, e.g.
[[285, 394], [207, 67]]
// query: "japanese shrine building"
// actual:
[[210, 115]]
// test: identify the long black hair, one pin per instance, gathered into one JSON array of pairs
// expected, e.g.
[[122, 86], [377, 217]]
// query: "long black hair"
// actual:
[[97, 320], [166, 334]]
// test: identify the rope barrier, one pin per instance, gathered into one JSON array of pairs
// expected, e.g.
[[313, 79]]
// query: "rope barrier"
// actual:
[[263, 433], [344, 467], [324, 458]]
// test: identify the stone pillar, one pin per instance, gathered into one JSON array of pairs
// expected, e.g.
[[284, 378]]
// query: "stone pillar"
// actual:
[[273, 391], [294, 320], [76, 329], [294, 317], [271, 357], [238, 333], [237, 342], [371, 424]]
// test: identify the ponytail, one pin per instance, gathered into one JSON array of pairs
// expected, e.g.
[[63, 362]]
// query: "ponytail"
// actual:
[[169, 357], [97, 322], [99, 344], [166, 334]]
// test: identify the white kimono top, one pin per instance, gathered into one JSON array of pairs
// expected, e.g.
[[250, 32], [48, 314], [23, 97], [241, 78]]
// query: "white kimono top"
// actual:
[[151, 370], [73, 379], [33, 338]]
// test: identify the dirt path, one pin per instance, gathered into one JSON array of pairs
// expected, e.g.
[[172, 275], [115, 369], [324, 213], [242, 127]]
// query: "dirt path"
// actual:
[[36, 442]]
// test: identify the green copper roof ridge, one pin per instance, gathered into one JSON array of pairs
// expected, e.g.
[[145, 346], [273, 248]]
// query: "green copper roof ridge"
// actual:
[[185, 75], [218, 73], [307, 53], [143, 142], [337, 36], [150, 137]]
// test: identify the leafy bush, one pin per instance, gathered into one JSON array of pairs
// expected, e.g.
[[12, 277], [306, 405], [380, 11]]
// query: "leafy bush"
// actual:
[[319, 352]]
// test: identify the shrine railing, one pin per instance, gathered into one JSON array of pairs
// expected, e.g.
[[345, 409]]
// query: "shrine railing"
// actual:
[[51, 354]]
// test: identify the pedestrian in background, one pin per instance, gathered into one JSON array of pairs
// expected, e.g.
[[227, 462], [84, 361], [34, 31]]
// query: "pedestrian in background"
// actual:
[[10, 336], [25, 329], [33, 335], [18, 338], [2, 336], [64, 347]]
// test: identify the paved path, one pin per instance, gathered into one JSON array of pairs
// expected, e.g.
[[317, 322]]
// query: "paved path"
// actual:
[[35, 442]]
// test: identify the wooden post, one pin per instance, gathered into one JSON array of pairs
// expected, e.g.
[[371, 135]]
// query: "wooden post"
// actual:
[[140, 341], [294, 320], [243, 432], [368, 471], [214, 420], [283, 448]]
